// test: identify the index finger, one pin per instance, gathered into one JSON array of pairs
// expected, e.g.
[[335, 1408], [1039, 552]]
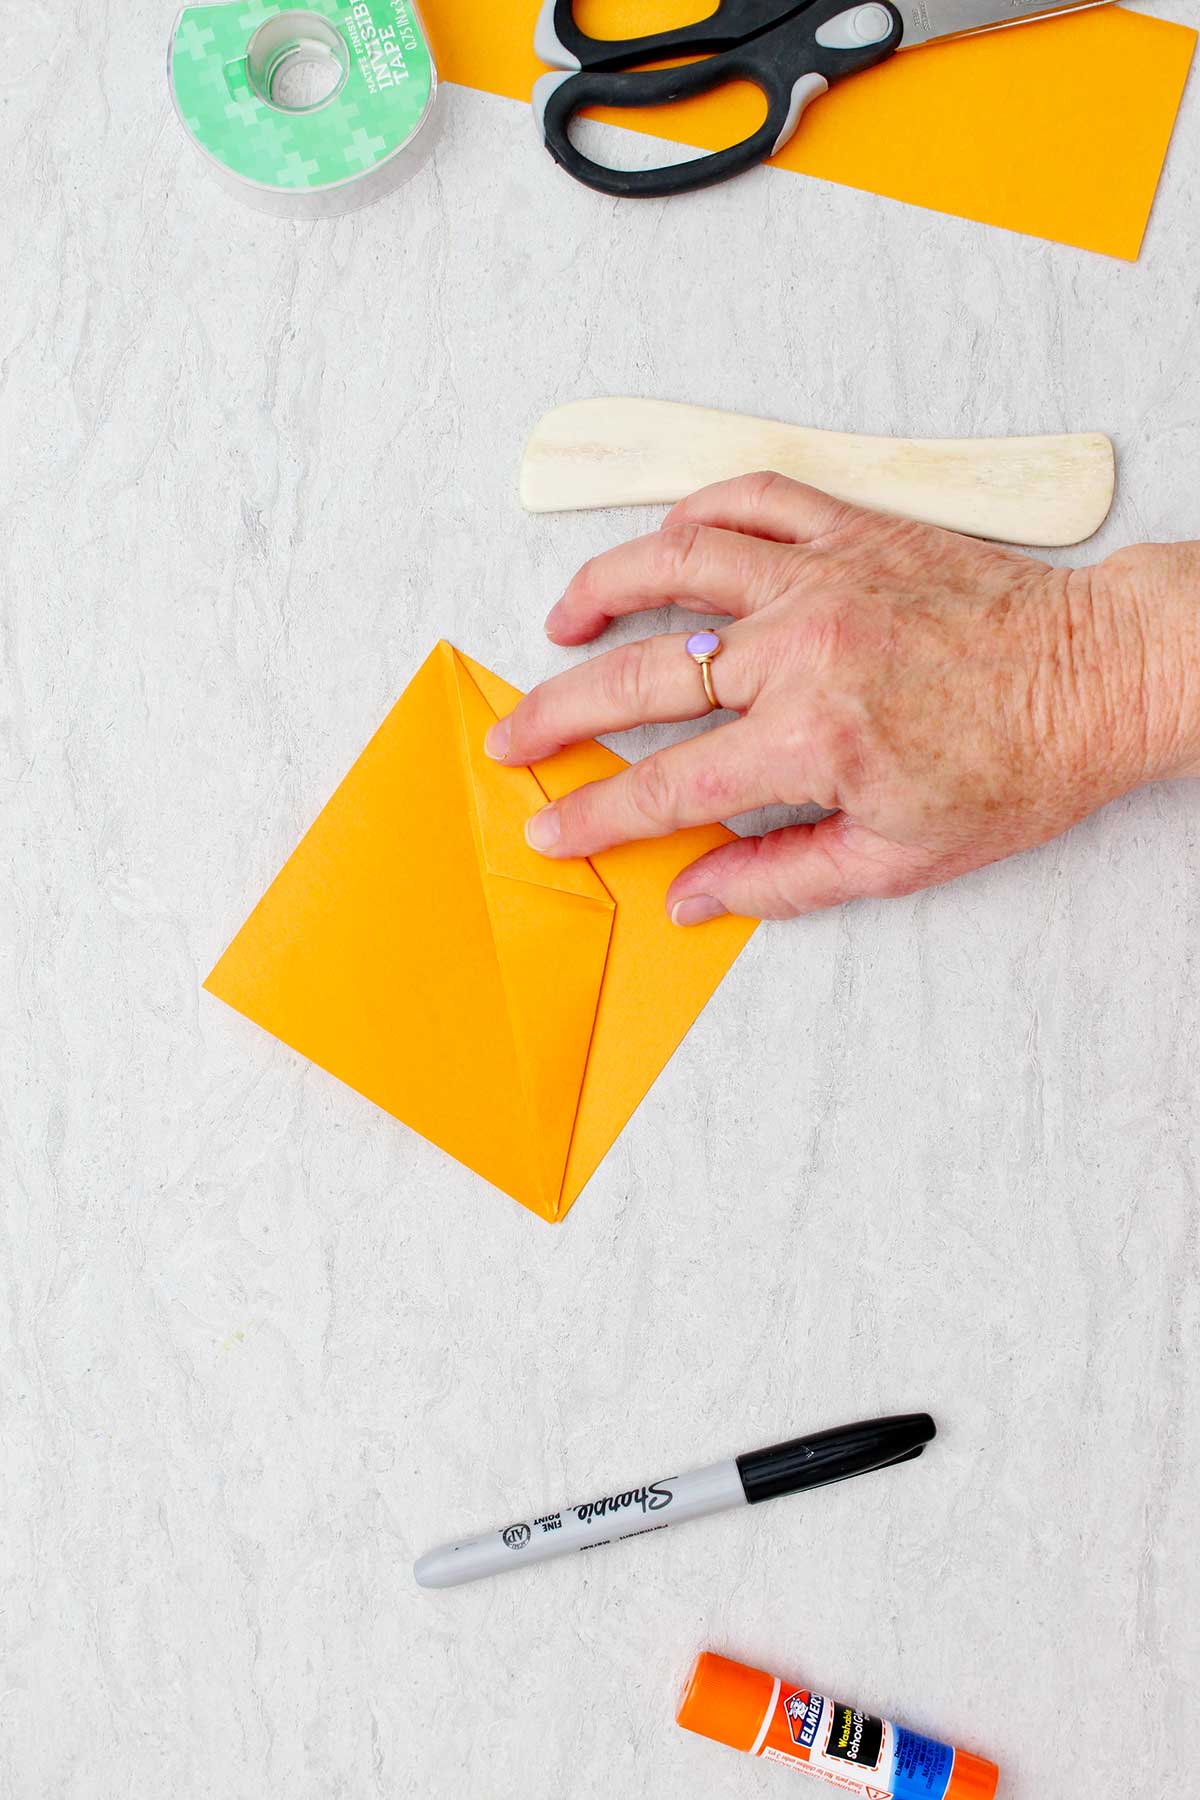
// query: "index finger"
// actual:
[[687, 565], [765, 505]]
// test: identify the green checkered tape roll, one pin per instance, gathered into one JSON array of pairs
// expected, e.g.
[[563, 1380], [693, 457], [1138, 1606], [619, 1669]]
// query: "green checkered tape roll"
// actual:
[[351, 145]]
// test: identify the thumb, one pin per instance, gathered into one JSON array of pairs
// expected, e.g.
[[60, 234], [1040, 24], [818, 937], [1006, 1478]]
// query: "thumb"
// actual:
[[800, 870]]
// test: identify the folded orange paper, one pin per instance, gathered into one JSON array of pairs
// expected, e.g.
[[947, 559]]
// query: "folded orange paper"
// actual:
[[511, 1009], [1057, 128]]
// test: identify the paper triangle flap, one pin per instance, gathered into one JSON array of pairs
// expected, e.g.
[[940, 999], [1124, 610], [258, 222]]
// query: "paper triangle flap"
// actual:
[[372, 952], [551, 924], [505, 799]]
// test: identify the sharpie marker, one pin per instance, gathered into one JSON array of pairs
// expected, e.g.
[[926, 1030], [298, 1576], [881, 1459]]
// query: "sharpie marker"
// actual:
[[788, 1468]]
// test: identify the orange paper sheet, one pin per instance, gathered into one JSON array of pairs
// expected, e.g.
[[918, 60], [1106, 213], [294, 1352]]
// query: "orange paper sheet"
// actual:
[[513, 1010], [1057, 128]]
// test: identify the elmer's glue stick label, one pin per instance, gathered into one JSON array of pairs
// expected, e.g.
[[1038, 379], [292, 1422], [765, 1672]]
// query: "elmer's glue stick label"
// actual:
[[851, 1750]]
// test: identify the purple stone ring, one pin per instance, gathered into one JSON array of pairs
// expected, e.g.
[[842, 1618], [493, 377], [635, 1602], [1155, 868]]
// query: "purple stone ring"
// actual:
[[702, 646]]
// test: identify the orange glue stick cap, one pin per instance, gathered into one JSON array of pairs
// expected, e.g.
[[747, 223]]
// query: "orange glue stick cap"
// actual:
[[972, 1778], [725, 1700]]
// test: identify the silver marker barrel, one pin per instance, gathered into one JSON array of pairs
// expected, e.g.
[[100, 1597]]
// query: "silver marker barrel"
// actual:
[[710, 1490], [786, 1468]]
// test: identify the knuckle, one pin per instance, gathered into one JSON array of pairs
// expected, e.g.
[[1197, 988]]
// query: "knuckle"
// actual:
[[652, 790], [574, 815], [714, 788], [628, 681], [678, 546], [763, 486]]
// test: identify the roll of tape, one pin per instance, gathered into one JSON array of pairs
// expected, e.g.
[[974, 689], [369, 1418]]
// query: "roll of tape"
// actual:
[[305, 113]]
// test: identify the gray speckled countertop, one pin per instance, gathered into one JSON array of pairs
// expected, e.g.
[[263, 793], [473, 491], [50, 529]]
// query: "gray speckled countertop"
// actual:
[[259, 1346]]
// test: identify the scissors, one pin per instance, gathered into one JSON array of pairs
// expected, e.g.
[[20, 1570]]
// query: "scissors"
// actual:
[[792, 52]]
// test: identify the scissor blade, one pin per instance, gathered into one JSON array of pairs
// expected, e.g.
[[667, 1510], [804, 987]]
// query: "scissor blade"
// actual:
[[925, 20]]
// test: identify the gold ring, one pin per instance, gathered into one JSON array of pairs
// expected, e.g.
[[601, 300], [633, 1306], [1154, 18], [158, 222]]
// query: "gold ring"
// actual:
[[702, 646]]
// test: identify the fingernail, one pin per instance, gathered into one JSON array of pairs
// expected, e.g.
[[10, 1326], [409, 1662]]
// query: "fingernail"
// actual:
[[696, 909], [554, 618], [496, 741], [543, 831]]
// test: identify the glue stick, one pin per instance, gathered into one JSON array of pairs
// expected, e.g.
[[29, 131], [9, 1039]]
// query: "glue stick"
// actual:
[[854, 1752]]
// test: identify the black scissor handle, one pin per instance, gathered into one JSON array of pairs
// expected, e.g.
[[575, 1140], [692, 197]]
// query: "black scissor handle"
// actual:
[[789, 64], [558, 99], [558, 40]]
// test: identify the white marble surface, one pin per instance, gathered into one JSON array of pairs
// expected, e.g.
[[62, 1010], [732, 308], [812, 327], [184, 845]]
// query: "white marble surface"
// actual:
[[259, 1346]]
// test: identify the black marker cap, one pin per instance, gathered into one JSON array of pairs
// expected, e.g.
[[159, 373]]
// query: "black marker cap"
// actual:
[[826, 1456]]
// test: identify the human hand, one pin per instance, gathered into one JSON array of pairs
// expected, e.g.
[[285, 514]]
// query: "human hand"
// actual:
[[949, 702]]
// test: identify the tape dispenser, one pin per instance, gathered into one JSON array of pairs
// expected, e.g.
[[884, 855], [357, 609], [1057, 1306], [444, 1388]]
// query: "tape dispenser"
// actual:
[[305, 113]]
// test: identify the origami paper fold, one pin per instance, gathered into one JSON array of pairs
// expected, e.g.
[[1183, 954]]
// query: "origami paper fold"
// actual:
[[511, 1009]]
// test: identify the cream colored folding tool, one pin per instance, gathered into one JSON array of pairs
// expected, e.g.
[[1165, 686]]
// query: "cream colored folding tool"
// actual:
[[623, 452]]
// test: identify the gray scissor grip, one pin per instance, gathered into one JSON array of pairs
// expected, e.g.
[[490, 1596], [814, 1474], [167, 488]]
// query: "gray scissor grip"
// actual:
[[808, 87], [547, 45]]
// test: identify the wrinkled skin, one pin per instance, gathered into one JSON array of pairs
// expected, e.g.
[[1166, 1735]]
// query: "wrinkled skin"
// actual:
[[947, 701]]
